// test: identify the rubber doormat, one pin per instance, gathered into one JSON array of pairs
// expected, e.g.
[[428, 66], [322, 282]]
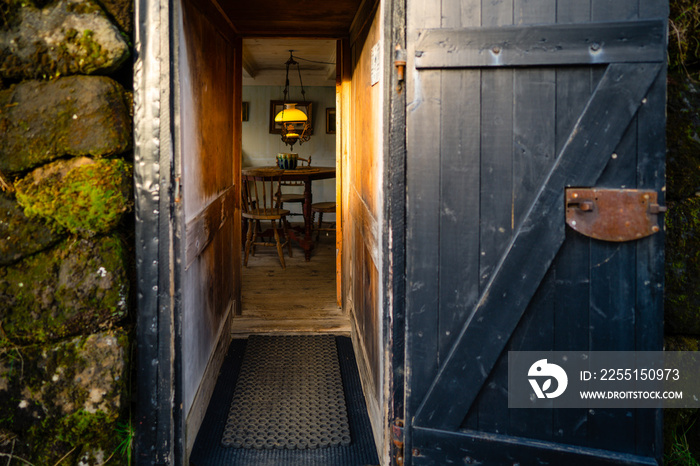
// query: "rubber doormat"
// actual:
[[289, 395]]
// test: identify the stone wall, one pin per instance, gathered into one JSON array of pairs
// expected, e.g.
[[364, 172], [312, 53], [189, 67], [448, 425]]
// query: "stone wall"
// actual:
[[66, 230], [682, 305]]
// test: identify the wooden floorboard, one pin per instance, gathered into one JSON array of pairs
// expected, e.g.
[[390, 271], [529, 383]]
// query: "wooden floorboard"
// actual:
[[296, 300]]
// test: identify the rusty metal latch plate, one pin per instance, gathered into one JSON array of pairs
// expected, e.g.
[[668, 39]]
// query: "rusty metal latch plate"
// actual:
[[397, 439], [613, 214]]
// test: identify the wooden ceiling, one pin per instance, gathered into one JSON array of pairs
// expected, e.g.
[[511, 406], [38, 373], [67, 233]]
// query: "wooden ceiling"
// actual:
[[270, 28], [301, 18], [264, 61]]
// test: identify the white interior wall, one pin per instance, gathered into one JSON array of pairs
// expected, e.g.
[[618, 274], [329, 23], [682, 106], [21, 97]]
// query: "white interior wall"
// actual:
[[260, 148]]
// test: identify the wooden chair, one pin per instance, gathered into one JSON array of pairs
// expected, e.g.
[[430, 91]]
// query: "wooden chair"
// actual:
[[295, 197], [261, 201], [321, 208]]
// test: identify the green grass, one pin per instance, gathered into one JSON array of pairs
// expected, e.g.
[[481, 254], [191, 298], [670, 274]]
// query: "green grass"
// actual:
[[679, 453]]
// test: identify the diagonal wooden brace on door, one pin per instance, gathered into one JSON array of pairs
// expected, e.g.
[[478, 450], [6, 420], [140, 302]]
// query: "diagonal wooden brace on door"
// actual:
[[534, 246]]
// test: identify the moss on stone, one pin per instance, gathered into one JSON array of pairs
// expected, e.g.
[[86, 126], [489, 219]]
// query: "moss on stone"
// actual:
[[19, 235], [80, 286], [98, 47], [65, 398], [683, 138], [88, 198], [682, 303]]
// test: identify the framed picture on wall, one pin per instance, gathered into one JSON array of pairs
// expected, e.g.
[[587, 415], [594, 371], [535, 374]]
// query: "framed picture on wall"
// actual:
[[276, 106], [244, 113], [330, 120]]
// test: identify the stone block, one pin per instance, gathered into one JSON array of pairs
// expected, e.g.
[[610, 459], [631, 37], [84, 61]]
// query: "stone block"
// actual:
[[78, 287], [74, 116], [21, 236], [64, 38], [64, 398]]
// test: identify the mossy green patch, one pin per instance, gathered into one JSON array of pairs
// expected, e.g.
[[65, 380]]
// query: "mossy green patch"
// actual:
[[65, 399], [90, 198], [79, 286]]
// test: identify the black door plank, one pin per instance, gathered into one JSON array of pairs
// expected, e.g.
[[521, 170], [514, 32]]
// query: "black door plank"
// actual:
[[619, 10], [423, 203], [459, 201], [496, 218], [432, 447], [535, 332], [534, 105], [506, 296], [605, 10], [653, 8], [460, 123], [572, 279], [573, 11], [496, 223], [650, 253], [542, 45], [496, 198], [612, 297]]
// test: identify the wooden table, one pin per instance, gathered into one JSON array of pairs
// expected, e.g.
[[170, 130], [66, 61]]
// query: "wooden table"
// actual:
[[306, 175]]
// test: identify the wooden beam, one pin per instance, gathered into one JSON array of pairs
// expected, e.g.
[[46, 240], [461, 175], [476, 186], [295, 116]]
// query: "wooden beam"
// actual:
[[214, 13], [249, 68], [534, 246], [440, 447], [545, 45]]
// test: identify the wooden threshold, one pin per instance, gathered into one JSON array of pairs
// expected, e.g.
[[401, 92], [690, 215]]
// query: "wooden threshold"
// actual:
[[300, 299]]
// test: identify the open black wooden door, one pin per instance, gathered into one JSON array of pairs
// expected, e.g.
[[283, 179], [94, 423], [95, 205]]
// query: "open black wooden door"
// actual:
[[509, 102]]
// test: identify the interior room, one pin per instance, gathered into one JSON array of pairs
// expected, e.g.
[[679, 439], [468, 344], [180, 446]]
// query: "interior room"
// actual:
[[302, 297]]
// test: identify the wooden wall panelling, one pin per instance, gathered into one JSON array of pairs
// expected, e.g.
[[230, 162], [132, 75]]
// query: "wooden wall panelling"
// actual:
[[207, 64], [339, 207], [364, 198], [344, 115]]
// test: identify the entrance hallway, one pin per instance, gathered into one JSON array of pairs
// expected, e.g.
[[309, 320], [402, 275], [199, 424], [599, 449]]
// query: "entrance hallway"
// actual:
[[299, 299]]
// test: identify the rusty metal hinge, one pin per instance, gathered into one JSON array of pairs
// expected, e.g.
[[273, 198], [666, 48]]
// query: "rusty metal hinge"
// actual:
[[397, 440], [613, 214], [400, 64]]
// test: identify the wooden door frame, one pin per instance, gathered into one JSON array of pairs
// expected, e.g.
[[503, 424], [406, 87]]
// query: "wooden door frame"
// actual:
[[394, 226], [159, 422]]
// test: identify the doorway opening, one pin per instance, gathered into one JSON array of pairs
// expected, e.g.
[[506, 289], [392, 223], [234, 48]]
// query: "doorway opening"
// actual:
[[302, 297], [210, 157]]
